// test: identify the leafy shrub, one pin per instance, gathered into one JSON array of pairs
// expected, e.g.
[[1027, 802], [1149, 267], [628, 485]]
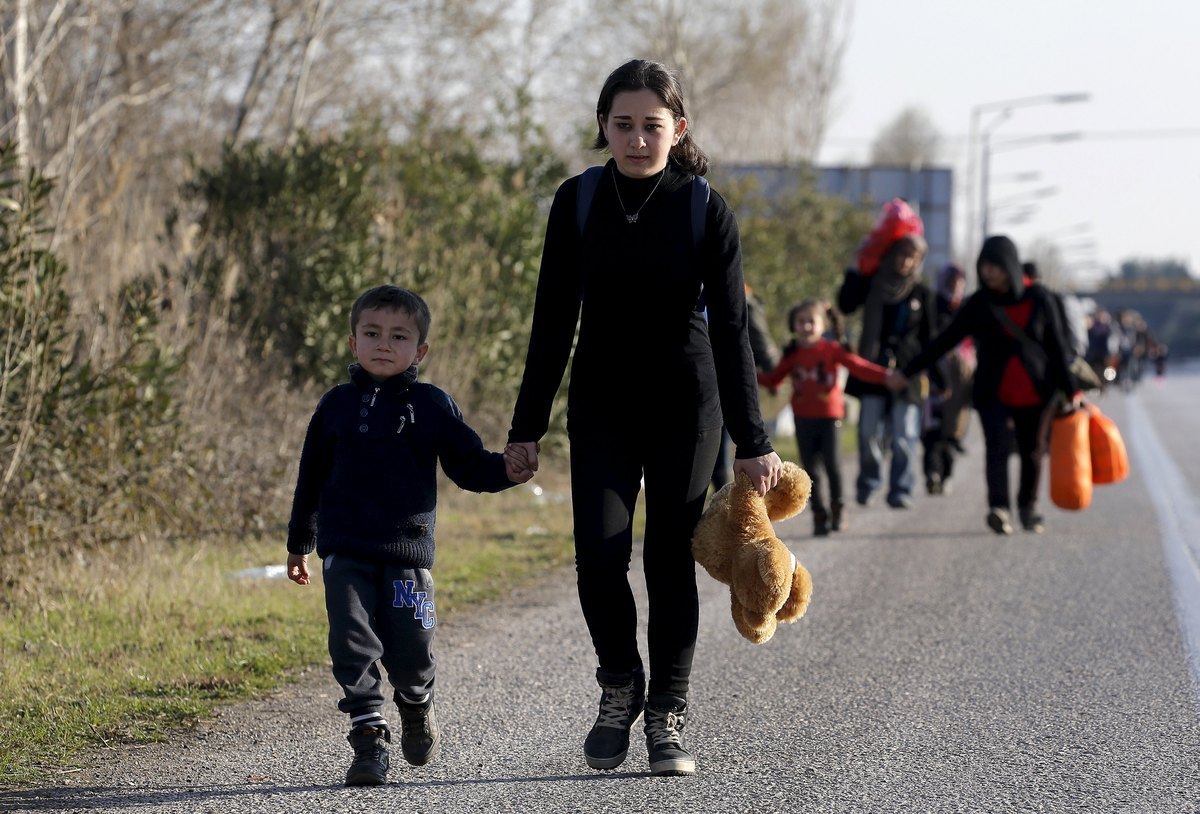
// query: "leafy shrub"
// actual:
[[795, 246], [292, 235], [88, 437]]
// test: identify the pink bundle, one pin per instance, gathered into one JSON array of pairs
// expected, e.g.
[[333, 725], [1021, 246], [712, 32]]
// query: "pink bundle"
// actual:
[[898, 220]]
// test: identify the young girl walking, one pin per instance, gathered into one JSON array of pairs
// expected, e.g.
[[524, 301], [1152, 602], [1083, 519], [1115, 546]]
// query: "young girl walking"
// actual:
[[625, 262], [812, 362]]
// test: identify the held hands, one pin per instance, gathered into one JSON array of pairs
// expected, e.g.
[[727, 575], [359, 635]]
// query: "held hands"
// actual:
[[521, 460], [297, 568], [895, 381], [763, 471]]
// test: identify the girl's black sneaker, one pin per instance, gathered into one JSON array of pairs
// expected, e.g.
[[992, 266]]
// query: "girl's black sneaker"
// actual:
[[664, 740], [621, 702]]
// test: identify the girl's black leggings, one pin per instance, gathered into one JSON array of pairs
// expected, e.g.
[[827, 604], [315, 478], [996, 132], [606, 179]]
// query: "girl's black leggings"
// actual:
[[606, 475], [817, 440]]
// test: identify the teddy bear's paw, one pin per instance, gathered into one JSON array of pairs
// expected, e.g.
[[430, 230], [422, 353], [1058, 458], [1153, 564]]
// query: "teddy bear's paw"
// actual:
[[801, 594], [755, 627], [791, 493], [762, 575]]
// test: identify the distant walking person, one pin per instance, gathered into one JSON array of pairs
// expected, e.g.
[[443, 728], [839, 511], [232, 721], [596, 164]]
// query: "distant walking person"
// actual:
[[1022, 364], [947, 407], [812, 363], [897, 322], [365, 500], [652, 382]]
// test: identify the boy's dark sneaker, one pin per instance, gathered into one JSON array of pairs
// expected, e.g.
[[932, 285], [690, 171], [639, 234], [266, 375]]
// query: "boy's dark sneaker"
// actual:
[[621, 705], [371, 761], [664, 740], [419, 734], [820, 523], [1031, 521], [998, 521], [837, 516]]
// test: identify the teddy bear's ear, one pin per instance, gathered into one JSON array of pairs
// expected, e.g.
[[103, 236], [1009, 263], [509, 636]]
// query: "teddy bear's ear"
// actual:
[[791, 493]]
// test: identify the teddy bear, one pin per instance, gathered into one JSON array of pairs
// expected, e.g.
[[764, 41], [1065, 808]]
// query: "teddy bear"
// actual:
[[737, 546]]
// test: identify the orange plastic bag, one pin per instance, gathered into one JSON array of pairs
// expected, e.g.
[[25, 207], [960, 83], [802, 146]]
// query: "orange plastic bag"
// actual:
[[1110, 461], [1071, 460]]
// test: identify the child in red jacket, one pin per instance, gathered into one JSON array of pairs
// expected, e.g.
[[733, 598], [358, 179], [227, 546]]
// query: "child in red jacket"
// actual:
[[813, 363]]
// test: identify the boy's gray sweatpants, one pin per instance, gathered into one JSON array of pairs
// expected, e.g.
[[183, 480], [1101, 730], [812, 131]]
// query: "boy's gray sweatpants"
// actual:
[[378, 614]]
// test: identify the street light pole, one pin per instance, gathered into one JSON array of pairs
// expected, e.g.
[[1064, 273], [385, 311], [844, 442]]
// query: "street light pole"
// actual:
[[1009, 144], [1005, 106]]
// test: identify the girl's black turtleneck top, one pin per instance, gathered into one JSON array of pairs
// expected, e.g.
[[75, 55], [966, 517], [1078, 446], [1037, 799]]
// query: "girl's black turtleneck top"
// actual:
[[650, 353]]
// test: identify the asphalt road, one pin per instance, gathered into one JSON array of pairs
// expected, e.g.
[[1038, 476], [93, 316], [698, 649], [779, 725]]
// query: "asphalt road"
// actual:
[[940, 668]]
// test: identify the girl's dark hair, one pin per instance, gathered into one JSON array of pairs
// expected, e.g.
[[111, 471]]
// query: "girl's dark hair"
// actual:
[[835, 322], [641, 74]]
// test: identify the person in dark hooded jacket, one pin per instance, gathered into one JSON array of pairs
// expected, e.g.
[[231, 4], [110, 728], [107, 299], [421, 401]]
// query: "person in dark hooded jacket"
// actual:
[[1021, 354]]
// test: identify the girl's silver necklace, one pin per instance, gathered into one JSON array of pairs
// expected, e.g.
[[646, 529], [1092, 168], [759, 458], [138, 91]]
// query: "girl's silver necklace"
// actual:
[[633, 218]]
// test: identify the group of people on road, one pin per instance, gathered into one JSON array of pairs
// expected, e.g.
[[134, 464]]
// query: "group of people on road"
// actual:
[[1120, 348], [641, 254]]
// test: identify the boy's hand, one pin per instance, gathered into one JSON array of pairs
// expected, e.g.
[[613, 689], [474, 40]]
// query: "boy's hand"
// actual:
[[518, 475], [521, 460], [297, 568]]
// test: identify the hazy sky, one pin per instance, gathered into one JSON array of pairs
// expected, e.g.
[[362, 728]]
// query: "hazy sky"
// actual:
[[1128, 187]]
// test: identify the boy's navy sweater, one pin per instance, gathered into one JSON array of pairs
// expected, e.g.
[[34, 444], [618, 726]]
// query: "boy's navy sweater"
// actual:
[[368, 472]]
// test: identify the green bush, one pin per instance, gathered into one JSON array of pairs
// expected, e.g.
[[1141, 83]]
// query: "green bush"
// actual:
[[795, 246], [292, 235]]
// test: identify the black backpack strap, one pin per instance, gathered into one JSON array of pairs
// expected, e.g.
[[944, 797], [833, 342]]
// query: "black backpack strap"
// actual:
[[700, 193], [589, 179], [1034, 351]]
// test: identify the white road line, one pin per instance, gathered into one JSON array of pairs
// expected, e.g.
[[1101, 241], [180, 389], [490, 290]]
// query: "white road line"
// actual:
[[1179, 518]]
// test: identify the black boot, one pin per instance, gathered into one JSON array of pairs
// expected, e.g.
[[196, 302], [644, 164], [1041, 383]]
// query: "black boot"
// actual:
[[837, 516], [622, 699], [371, 762], [820, 522], [664, 740], [419, 734]]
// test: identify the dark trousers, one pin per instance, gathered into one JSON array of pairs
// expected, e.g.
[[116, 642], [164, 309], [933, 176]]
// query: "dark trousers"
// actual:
[[817, 439], [1003, 425], [606, 475], [378, 614], [938, 460]]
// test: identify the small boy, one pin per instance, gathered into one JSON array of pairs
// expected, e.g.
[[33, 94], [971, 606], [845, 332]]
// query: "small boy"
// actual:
[[365, 500]]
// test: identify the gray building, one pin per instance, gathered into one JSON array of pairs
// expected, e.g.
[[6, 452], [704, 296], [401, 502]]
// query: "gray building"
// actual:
[[930, 191]]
